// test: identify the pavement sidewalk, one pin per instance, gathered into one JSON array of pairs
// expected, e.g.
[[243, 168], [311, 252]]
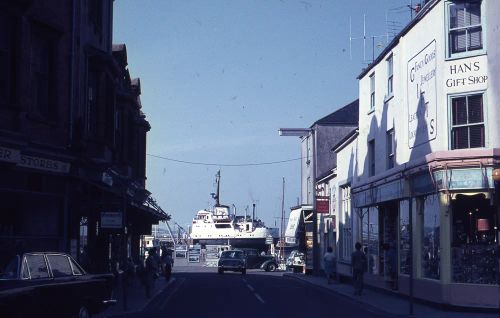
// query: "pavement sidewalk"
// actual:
[[383, 302], [136, 297]]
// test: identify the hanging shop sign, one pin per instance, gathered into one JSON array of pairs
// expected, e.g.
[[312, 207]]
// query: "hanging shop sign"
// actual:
[[111, 220], [293, 224], [322, 204]]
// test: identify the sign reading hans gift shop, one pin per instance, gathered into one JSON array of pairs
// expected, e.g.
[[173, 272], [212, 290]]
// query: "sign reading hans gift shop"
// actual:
[[422, 105]]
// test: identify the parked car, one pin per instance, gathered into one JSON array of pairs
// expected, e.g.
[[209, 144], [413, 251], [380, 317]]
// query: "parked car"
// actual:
[[259, 260], [233, 260], [295, 261], [51, 284]]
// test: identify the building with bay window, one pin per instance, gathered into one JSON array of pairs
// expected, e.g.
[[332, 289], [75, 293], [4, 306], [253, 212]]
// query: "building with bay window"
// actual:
[[419, 188]]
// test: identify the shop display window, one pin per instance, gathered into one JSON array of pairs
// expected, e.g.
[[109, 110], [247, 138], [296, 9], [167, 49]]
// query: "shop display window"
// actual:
[[431, 250], [404, 239], [475, 249], [373, 241]]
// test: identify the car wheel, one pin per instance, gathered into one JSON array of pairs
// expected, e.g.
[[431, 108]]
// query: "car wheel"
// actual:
[[244, 271], [220, 271], [84, 312], [271, 267]]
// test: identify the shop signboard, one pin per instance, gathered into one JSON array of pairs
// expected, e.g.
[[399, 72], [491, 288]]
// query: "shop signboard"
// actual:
[[322, 204], [111, 220], [422, 100]]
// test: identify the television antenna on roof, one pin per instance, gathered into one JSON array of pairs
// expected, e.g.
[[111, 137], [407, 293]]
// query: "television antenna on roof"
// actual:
[[364, 37]]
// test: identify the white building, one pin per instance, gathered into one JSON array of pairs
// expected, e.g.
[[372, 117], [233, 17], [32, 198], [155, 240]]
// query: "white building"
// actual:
[[429, 127]]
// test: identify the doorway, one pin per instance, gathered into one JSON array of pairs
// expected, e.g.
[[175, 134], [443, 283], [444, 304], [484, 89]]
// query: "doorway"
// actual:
[[388, 238]]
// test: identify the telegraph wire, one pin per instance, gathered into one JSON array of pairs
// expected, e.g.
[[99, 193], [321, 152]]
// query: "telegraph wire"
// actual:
[[223, 164]]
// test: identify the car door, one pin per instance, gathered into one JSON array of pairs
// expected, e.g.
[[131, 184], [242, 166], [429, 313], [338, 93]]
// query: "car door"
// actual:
[[36, 269], [65, 286], [252, 258]]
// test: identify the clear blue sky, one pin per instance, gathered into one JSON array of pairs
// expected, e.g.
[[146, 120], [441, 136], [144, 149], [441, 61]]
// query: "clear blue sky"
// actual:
[[220, 77]]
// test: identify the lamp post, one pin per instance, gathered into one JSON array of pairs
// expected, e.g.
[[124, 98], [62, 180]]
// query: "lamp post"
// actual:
[[309, 132]]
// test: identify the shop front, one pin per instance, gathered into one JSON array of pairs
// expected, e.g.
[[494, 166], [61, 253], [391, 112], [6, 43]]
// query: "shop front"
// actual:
[[454, 243]]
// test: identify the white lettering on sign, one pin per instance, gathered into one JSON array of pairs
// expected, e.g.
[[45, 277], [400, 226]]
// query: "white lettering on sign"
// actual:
[[466, 75], [422, 106], [43, 164], [9, 155]]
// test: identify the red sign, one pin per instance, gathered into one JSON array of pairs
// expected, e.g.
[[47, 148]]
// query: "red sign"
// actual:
[[322, 204]]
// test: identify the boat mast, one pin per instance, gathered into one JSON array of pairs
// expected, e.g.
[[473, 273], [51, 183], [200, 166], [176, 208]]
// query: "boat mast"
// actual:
[[215, 196]]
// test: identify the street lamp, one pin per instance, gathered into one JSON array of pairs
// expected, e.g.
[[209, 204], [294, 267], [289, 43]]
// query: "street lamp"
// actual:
[[303, 132]]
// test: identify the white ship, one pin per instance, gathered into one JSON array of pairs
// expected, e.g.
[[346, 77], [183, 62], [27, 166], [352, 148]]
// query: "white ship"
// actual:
[[218, 226]]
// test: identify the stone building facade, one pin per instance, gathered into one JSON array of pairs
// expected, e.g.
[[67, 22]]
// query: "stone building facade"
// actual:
[[72, 134]]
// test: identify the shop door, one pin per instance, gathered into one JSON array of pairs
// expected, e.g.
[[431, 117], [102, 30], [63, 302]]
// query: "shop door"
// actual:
[[388, 220]]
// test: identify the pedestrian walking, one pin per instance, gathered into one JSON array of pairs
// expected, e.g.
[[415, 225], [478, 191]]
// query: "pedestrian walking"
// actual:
[[330, 263], [166, 263], [359, 266], [151, 271], [391, 263]]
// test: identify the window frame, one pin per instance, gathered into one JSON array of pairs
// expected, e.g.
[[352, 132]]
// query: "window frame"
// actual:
[[390, 152], [484, 123], [448, 54], [371, 157], [372, 92], [390, 76]]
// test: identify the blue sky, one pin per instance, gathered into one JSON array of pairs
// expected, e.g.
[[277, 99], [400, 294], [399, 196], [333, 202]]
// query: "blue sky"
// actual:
[[220, 77]]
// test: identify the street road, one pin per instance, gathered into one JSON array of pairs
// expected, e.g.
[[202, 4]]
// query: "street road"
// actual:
[[257, 294]]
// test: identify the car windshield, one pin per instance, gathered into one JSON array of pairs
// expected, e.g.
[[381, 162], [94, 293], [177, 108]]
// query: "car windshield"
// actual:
[[232, 254]]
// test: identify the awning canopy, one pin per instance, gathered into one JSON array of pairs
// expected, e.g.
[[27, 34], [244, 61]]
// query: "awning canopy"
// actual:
[[293, 224]]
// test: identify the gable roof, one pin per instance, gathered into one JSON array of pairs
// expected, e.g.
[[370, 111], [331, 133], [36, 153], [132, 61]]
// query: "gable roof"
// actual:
[[347, 115]]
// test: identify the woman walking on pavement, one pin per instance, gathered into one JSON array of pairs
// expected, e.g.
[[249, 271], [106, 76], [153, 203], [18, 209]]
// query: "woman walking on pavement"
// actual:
[[329, 262], [359, 266], [151, 271]]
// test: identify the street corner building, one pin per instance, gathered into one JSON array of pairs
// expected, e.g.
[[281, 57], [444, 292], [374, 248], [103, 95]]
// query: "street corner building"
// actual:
[[72, 135], [415, 177], [420, 193]]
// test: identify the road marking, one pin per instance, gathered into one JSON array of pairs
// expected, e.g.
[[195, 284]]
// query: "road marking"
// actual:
[[244, 280], [259, 298], [164, 304], [250, 287]]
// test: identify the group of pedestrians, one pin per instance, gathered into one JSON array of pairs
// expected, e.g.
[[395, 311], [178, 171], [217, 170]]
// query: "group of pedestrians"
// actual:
[[359, 267], [156, 265]]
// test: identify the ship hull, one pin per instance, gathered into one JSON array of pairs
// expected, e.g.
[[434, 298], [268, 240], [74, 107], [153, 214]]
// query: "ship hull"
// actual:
[[257, 243]]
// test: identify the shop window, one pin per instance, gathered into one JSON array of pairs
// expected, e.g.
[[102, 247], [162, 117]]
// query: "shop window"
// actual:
[[430, 238], [465, 31], [373, 241], [346, 230], [474, 243], [404, 238], [467, 126]]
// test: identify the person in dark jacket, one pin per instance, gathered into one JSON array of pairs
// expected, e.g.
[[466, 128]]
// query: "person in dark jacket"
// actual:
[[151, 271], [359, 266]]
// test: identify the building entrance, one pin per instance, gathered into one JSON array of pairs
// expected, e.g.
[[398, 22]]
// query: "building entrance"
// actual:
[[388, 220]]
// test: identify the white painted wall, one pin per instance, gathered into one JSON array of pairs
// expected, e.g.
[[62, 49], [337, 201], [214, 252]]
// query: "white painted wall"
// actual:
[[426, 36]]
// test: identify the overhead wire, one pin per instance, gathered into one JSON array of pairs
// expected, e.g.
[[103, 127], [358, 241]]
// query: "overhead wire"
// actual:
[[224, 164]]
